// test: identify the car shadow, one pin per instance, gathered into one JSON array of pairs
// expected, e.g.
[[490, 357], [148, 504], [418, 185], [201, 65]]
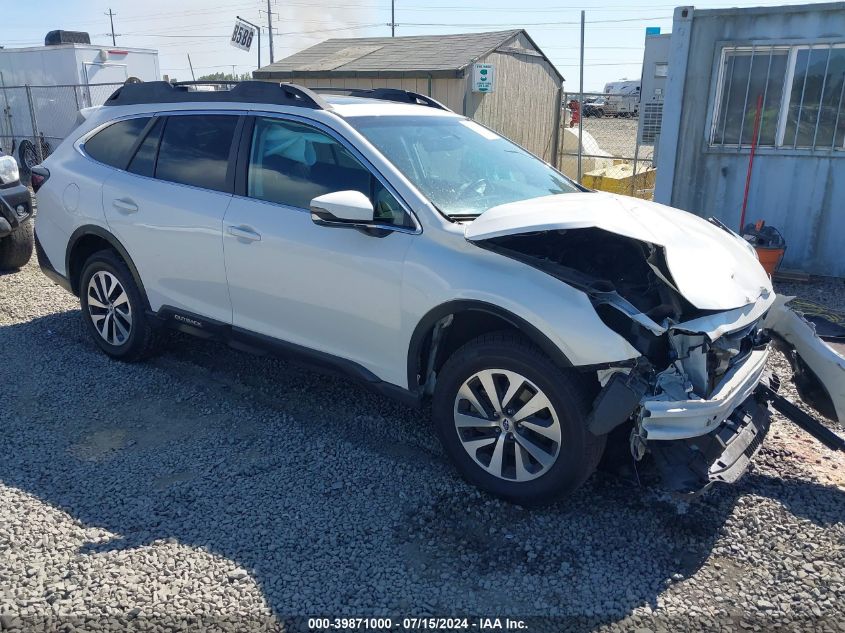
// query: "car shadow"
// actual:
[[329, 496]]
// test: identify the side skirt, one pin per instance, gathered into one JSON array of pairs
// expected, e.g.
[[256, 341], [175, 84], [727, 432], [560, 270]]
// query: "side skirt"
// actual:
[[260, 344]]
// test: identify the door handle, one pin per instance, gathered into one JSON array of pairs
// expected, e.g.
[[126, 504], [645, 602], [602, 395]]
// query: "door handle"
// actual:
[[244, 233], [125, 205]]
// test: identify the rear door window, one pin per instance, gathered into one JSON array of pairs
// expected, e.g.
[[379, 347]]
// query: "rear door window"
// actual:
[[195, 150], [112, 144]]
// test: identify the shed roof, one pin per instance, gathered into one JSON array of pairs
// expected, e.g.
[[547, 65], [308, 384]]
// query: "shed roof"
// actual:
[[423, 55]]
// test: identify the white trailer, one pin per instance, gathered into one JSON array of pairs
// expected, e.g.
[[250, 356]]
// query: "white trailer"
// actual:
[[623, 98], [83, 64], [43, 87]]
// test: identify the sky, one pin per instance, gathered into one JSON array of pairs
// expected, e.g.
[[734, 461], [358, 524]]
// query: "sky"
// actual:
[[614, 37]]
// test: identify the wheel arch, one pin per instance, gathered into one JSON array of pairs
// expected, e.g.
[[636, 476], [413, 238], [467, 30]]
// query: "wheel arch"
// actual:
[[87, 240], [487, 316]]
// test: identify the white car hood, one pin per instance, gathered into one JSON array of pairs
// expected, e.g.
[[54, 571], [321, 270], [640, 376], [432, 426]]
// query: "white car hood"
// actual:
[[711, 268]]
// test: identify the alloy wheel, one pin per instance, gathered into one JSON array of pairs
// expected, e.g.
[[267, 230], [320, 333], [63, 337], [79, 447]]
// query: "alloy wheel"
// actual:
[[507, 425], [109, 308]]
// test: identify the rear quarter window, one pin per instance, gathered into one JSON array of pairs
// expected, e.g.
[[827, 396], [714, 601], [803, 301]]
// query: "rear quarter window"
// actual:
[[112, 144]]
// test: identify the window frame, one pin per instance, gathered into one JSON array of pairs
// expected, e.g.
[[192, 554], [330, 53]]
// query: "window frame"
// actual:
[[80, 143], [154, 116], [723, 48], [244, 154], [793, 61], [230, 160]]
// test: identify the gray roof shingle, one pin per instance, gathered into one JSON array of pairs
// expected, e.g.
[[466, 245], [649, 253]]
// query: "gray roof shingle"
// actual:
[[424, 54]]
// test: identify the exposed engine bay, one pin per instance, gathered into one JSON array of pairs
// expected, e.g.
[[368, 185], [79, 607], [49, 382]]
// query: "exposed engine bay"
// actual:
[[698, 397], [633, 293]]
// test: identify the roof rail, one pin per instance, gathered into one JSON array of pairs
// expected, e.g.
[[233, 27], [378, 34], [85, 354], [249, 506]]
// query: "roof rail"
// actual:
[[249, 91], [385, 94]]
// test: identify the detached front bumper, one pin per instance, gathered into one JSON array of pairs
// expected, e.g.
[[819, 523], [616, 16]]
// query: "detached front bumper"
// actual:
[[723, 455], [664, 419], [697, 442]]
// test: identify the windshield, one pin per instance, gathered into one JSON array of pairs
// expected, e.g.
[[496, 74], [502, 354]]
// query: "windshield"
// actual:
[[462, 167]]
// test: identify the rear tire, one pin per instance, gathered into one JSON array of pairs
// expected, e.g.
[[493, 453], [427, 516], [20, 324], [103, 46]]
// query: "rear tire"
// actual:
[[113, 308], [16, 248], [528, 459], [27, 156]]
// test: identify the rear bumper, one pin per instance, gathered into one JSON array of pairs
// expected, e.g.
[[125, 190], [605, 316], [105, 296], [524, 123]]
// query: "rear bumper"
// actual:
[[681, 419], [47, 267]]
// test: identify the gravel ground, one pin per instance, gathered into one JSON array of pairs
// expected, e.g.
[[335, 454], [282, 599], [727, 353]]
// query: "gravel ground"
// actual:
[[212, 489]]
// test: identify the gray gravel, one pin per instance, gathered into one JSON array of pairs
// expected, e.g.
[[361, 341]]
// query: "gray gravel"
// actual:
[[828, 291], [212, 489]]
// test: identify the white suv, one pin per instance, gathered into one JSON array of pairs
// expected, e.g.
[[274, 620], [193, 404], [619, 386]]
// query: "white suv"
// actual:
[[377, 233]]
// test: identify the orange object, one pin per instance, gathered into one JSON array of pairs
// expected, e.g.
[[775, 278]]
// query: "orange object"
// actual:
[[769, 258], [575, 109]]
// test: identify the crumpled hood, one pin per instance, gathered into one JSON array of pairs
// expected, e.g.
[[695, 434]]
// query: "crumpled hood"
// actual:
[[711, 268]]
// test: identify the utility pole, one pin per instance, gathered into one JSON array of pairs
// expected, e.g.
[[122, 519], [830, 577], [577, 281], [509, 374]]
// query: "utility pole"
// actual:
[[581, 105], [270, 28], [392, 18], [111, 21]]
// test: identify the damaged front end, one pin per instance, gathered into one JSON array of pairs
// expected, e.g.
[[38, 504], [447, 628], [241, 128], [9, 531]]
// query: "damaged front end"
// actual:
[[698, 397], [690, 397]]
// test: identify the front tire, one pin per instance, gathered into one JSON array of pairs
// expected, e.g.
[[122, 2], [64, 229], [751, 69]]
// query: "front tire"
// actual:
[[16, 248], [513, 423], [113, 309]]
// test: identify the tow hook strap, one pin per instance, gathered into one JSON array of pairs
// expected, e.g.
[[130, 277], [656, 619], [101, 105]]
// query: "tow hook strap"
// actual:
[[807, 422]]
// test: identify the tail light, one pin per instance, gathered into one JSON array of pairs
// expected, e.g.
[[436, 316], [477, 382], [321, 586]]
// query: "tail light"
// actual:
[[38, 177]]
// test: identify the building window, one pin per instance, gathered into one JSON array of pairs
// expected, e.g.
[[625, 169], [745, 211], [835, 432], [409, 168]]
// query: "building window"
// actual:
[[815, 114], [661, 70], [800, 91]]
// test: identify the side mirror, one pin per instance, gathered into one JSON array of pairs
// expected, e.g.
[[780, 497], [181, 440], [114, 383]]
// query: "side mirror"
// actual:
[[342, 208]]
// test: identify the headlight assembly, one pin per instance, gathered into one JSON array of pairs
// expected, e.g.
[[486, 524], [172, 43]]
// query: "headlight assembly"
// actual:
[[8, 170]]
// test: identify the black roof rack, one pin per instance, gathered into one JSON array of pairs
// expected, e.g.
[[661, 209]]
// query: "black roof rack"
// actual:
[[385, 94], [248, 91]]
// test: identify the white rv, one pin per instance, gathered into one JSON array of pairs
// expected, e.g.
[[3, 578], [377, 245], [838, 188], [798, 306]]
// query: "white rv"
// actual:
[[623, 98], [58, 80]]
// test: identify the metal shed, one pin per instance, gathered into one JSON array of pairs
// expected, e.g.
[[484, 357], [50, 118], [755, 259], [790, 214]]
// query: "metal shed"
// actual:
[[788, 64], [523, 102]]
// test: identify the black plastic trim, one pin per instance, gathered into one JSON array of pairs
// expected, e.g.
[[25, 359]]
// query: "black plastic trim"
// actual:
[[47, 266], [246, 340], [470, 305], [243, 92], [386, 94], [137, 143], [10, 197], [93, 229], [242, 155]]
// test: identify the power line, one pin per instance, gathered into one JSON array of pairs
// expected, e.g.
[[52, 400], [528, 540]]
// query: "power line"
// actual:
[[512, 24], [340, 28]]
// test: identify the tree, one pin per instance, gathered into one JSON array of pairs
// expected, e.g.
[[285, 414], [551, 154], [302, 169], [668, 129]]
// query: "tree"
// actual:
[[225, 77]]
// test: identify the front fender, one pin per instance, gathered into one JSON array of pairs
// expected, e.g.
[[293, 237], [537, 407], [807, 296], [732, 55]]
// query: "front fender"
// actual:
[[443, 274]]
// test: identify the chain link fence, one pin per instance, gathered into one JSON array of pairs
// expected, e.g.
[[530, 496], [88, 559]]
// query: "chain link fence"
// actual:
[[617, 150], [35, 119]]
